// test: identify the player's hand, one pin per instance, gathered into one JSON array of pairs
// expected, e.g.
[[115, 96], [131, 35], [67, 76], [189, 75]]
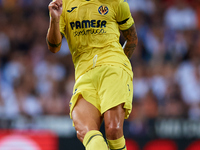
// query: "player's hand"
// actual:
[[55, 9]]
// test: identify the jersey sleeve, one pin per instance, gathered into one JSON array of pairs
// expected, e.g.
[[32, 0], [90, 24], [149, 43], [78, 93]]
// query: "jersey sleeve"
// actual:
[[124, 18]]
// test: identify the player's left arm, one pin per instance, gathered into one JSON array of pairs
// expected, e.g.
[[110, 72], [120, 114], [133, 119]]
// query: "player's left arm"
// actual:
[[131, 38], [127, 26]]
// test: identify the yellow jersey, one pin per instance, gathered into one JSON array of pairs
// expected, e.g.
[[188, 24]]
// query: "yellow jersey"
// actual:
[[92, 29]]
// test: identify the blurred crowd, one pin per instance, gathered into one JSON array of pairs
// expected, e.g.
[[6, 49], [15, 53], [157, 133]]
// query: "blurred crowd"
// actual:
[[166, 63]]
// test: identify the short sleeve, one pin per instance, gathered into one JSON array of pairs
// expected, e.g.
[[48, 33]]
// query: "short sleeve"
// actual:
[[124, 18]]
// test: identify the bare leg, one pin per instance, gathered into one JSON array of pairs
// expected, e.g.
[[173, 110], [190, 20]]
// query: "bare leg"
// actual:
[[86, 117], [87, 120], [114, 120]]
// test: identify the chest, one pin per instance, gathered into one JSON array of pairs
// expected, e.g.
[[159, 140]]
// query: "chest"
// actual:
[[92, 11]]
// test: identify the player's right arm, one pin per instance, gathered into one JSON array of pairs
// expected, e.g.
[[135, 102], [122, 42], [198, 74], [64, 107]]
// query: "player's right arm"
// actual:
[[54, 37]]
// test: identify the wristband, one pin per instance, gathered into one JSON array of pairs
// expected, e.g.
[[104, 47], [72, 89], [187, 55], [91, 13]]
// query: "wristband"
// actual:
[[53, 45]]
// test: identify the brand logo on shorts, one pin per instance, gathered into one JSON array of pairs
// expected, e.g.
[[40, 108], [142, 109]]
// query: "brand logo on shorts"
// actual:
[[103, 10], [74, 91], [128, 87]]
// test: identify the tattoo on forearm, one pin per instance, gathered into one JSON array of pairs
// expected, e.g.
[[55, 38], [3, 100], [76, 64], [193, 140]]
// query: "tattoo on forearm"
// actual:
[[132, 40]]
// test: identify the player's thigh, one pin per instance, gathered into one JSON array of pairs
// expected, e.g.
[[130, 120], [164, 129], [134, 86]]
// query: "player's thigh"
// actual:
[[114, 120], [85, 117]]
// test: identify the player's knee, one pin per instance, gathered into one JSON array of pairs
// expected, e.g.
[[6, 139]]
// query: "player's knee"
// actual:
[[113, 131], [81, 134]]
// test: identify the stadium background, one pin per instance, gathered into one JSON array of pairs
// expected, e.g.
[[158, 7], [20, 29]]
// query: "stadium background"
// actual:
[[36, 85]]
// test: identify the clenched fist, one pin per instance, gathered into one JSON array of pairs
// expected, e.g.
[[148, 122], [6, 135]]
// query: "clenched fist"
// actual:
[[55, 9]]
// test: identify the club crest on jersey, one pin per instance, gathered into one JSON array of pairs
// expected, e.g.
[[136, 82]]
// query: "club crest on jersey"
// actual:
[[103, 10]]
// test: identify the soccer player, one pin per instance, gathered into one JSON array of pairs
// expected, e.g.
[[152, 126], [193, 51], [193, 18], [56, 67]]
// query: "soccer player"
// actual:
[[103, 73]]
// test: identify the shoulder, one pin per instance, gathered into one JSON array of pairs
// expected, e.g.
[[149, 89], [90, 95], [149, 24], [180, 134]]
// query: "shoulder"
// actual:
[[111, 2], [117, 4], [66, 2]]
